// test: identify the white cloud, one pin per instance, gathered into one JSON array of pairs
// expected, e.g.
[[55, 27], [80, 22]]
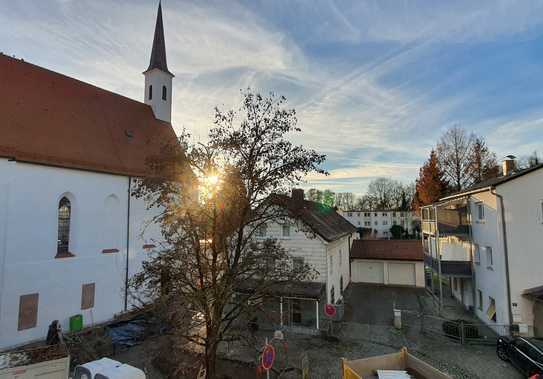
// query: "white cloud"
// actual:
[[347, 108]]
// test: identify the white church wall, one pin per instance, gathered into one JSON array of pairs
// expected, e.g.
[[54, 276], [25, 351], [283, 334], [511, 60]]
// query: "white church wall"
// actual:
[[28, 246]]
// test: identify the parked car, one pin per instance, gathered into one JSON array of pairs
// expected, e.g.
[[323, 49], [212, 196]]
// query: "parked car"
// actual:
[[526, 354]]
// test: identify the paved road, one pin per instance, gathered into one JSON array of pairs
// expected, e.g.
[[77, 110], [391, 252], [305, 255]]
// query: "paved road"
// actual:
[[373, 304]]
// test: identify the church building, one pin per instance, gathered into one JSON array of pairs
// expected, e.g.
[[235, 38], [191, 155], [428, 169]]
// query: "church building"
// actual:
[[71, 233]]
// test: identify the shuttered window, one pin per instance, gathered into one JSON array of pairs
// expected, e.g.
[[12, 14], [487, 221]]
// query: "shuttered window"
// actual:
[[87, 295], [28, 311]]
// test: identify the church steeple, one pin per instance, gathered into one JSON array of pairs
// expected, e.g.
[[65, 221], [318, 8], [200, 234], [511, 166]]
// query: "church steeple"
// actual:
[[158, 79], [158, 53]]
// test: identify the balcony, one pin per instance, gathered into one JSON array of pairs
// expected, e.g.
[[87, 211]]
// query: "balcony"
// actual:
[[453, 268]]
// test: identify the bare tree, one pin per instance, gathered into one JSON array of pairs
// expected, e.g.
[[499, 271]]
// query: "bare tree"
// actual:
[[385, 193], [314, 195], [454, 154], [345, 200], [215, 197], [483, 161]]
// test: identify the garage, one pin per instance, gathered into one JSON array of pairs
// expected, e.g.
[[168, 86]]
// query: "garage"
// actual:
[[402, 274], [367, 272], [388, 262]]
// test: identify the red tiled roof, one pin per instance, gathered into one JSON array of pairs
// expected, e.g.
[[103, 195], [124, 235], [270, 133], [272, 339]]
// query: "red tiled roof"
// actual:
[[397, 250], [51, 119]]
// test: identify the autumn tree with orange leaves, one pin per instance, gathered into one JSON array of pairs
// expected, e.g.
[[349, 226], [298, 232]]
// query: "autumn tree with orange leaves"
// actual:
[[430, 185]]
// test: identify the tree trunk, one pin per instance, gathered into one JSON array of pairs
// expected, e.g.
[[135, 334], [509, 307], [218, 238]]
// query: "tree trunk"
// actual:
[[210, 360]]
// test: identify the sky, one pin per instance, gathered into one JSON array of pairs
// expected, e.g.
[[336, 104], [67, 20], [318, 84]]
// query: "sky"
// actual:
[[374, 83]]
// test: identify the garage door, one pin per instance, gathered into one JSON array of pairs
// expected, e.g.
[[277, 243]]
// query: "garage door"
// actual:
[[367, 272], [402, 274]]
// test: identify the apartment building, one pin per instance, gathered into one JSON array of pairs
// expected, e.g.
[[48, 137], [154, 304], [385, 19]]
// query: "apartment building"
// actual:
[[379, 222], [487, 241]]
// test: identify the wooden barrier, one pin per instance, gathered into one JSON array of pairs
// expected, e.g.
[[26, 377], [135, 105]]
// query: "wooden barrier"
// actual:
[[366, 368]]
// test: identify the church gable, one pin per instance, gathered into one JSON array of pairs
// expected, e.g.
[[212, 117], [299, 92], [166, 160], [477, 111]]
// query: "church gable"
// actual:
[[51, 119]]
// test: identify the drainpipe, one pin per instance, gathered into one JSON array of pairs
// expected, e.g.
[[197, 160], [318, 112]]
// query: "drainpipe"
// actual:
[[473, 277], [4, 242], [505, 253], [127, 243], [438, 255]]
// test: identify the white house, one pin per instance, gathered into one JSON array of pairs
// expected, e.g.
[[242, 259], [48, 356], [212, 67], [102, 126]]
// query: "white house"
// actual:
[[490, 238], [317, 235], [71, 233], [380, 221]]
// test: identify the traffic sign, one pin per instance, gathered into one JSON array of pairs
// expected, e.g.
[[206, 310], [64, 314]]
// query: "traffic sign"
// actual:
[[330, 310], [268, 357]]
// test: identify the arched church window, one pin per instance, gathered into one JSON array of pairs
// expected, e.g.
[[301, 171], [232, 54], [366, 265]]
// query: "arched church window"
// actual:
[[64, 217], [150, 92], [164, 93]]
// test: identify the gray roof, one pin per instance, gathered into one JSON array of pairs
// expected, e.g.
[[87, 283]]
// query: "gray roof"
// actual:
[[492, 182], [320, 218], [158, 54]]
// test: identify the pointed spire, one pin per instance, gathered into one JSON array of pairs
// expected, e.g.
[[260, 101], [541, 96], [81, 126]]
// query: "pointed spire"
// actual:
[[158, 54]]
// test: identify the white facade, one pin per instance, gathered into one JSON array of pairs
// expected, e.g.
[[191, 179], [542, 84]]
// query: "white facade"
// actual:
[[523, 209], [380, 221], [388, 272], [29, 197], [329, 259], [485, 250]]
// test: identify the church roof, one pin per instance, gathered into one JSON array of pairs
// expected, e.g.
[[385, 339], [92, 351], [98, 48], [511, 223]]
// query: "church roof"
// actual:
[[158, 53], [55, 120]]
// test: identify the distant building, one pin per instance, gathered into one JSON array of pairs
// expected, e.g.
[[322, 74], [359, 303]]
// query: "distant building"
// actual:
[[487, 242], [379, 221]]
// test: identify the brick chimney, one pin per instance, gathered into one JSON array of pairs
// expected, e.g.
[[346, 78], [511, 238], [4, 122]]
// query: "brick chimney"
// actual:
[[509, 165], [298, 195]]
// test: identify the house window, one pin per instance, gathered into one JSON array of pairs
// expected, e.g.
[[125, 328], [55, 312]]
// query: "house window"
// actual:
[[64, 217], [376, 222], [349, 214], [28, 311], [489, 258], [385, 222], [367, 223], [286, 230], [341, 284], [358, 223], [491, 311], [476, 254], [480, 299], [367, 214], [261, 230], [375, 214], [480, 211], [384, 214], [164, 93], [297, 263], [332, 296], [358, 214], [150, 92]]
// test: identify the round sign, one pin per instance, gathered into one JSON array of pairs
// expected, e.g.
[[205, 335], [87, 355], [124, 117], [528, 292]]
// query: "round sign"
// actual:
[[268, 357], [330, 310]]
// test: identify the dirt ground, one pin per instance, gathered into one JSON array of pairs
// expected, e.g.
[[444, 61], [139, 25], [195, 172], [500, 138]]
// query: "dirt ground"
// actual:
[[356, 338]]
